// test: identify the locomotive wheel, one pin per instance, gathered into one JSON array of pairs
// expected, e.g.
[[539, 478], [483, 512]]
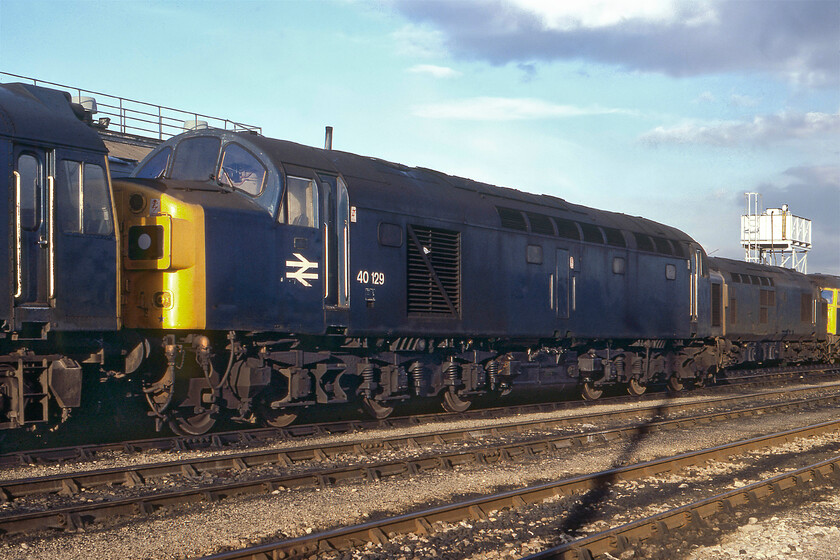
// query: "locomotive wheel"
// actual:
[[589, 392], [376, 409], [675, 384], [453, 403], [196, 425], [635, 388]]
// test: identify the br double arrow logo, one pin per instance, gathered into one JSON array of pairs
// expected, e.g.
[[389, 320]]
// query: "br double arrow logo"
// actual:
[[300, 272]]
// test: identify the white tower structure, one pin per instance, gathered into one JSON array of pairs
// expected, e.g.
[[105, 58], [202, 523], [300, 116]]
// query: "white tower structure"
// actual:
[[775, 236]]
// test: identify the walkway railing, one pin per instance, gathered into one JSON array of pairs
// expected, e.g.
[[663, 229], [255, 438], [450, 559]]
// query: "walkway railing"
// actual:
[[138, 118]]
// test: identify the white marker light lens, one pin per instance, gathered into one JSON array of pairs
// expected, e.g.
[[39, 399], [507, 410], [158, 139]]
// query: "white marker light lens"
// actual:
[[144, 241]]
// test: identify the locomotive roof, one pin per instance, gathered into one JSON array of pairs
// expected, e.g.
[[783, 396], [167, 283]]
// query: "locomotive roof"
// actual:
[[42, 115], [394, 188], [826, 280], [391, 186], [740, 269]]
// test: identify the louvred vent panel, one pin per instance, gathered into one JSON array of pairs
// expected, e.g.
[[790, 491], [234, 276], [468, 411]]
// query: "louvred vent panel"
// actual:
[[434, 271]]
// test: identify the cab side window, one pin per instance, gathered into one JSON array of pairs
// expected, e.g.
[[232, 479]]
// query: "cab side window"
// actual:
[[154, 168], [241, 170], [300, 204], [84, 205]]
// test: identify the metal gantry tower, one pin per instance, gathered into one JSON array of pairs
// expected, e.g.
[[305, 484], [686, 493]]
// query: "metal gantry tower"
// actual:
[[775, 236]]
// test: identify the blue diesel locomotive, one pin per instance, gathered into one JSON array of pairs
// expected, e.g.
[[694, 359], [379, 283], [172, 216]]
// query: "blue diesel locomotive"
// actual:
[[257, 277]]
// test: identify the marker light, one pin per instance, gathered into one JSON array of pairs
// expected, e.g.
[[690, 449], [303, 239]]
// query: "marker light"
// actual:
[[145, 242]]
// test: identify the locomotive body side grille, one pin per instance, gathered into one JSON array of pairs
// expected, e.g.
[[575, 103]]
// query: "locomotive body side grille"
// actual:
[[434, 271], [512, 218]]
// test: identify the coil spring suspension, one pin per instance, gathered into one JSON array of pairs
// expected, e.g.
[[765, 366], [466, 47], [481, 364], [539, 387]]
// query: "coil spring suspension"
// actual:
[[453, 379], [417, 377], [368, 382], [492, 373], [618, 362], [402, 379]]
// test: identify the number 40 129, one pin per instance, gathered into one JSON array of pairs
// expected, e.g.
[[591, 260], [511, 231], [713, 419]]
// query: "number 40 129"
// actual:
[[375, 278]]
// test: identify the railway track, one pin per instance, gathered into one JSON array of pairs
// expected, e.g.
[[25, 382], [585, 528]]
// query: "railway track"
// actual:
[[255, 436], [593, 487], [697, 516], [133, 478]]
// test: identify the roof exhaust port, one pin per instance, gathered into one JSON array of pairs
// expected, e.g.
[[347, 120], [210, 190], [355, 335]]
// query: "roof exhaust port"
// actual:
[[328, 138]]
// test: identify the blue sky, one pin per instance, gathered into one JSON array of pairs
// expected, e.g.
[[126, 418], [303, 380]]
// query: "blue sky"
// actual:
[[665, 109]]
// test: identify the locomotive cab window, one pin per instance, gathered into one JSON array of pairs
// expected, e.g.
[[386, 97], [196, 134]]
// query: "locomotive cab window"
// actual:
[[84, 205], [155, 167], [195, 159], [300, 205], [241, 170]]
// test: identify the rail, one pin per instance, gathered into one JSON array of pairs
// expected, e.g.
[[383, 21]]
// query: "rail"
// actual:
[[138, 118], [80, 514], [422, 522]]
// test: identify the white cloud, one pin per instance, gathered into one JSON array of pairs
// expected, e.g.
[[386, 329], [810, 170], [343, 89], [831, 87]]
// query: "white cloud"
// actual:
[[763, 129], [593, 14], [505, 109], [792, 39], [434, 71]]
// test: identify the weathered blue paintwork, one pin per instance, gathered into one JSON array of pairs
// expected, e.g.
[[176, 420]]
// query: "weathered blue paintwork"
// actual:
[[43, 124]]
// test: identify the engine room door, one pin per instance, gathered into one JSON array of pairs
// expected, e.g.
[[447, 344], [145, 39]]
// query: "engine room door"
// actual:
[[336, 222], [561, 284], [33, 235]]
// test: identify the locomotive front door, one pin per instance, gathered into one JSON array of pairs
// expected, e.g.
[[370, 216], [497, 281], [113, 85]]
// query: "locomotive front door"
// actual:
[[33, 234]]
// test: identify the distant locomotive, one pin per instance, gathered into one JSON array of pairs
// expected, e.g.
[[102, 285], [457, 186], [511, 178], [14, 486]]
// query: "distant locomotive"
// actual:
[[257, 277]]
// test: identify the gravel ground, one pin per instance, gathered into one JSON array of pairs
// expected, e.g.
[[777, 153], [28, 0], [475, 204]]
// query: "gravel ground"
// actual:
[[208, 528], [807, 532]]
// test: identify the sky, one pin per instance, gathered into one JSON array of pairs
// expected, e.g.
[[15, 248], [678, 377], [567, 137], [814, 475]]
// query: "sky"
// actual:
[[666, 109]]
